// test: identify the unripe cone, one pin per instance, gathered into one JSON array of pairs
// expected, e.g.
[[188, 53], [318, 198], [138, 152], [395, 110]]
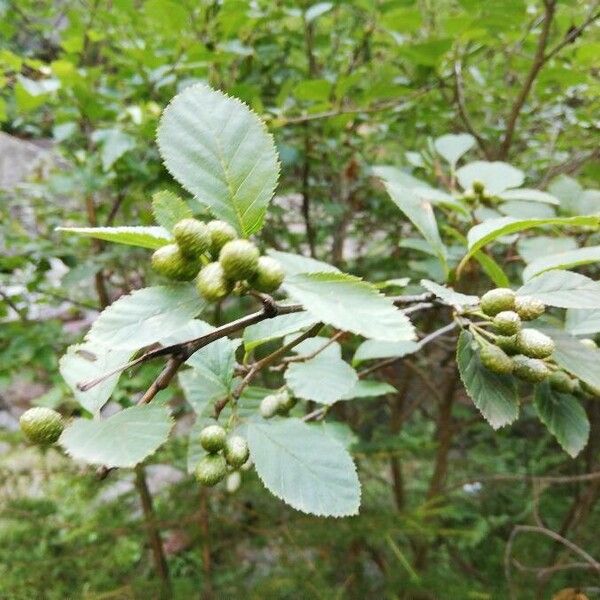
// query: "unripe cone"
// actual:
[[269, 406], [239, 259], [233, 482], [212, 283], [497, 300], [590, 390], [495, 359], [212, 438], [236, 451], [211, 469], [41, 425], [192, 237], [478, 187], [286, 402], [534, 343], [220, 233], [508, 343], [533, 370], [528, 308], [589, 343], [269, 275], [561, 382], [170, 262], [507, 322]]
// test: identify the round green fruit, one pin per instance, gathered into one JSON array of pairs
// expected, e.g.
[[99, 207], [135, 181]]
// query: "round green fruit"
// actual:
[[498, 300], [236, 451], [269, 406], [212, 438], [211, 469], [562, 382], [507, 322], [286, 402], [269, 275], [170, 262], [589, 343], [220, 233], [41, 425], [495, 359], [239, 259], [528, 308], [534, 343], [529, 369], [192, 237], [212, 283]]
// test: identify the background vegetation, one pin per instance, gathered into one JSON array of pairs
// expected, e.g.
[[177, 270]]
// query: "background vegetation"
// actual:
[[343, 86]]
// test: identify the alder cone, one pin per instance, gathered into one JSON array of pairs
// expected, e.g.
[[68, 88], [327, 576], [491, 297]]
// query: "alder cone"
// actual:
[[495, 359], [269, 275], [236, 451], [41, 425], [508, 343], [193, 237], [170, 262], [497, 300], [561, 382], [220, 233], [507, 322], [269, 406], [211, 469], [534, 343], [212, 438], [212, 283], [529, 369], [528, 308], [239, 259]]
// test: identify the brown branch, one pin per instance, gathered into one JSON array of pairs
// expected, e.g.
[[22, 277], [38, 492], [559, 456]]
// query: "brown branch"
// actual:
[[573, 33], [539, 60]]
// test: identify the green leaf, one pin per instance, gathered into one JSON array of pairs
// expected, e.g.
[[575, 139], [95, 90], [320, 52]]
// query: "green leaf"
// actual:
[[145, 316], [576, 358], [564, 289], [493, 394], [85, 362], [492, 269], [304, 467], [582, 321], [564, 417], [420, 214], [316, 10], [144, 237], [372, 349], [123, 440], [369, 388], [495, 176], [563, 260], [492, 229], [531, 248], [114, 144], [293, 264], [221, 152], [519, 209], [529, 195], [275, 328], [325, 378], [451, 147], [448, 295], [168, 209], [350, 304]]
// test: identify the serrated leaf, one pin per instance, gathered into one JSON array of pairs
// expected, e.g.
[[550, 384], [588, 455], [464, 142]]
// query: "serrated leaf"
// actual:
[[304, 467], [84, 362], [293, 264], [325, 378], [564, 289], [168, 209], [495, 176], [144, 237], [492, 229], [421, 215], [369, 388], [372, 349], [123, 440], [564, 417], [275, 328], [582, 321], [448, 295], [562, 260], [493, 394], [221, 152], [452, 146], [529, 195], [350, 304], [532, 248], [145, 316], [576, 358]]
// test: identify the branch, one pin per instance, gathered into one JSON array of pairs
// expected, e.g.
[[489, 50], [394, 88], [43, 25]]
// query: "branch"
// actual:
[[574, 33], [538, 62]]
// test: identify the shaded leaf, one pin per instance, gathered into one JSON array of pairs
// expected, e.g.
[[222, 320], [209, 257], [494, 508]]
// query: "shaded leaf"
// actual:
[[564, 289], [144, 237]]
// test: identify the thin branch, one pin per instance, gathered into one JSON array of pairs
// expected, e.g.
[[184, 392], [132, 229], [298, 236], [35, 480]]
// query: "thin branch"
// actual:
[[574, 33]]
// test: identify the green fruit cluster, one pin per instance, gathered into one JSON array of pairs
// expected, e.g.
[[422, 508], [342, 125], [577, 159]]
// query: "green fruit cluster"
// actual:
[[221, 452], [41, 425], [279, 403]]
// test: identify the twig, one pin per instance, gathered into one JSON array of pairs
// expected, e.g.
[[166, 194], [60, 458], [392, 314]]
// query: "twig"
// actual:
[[574, 33]]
